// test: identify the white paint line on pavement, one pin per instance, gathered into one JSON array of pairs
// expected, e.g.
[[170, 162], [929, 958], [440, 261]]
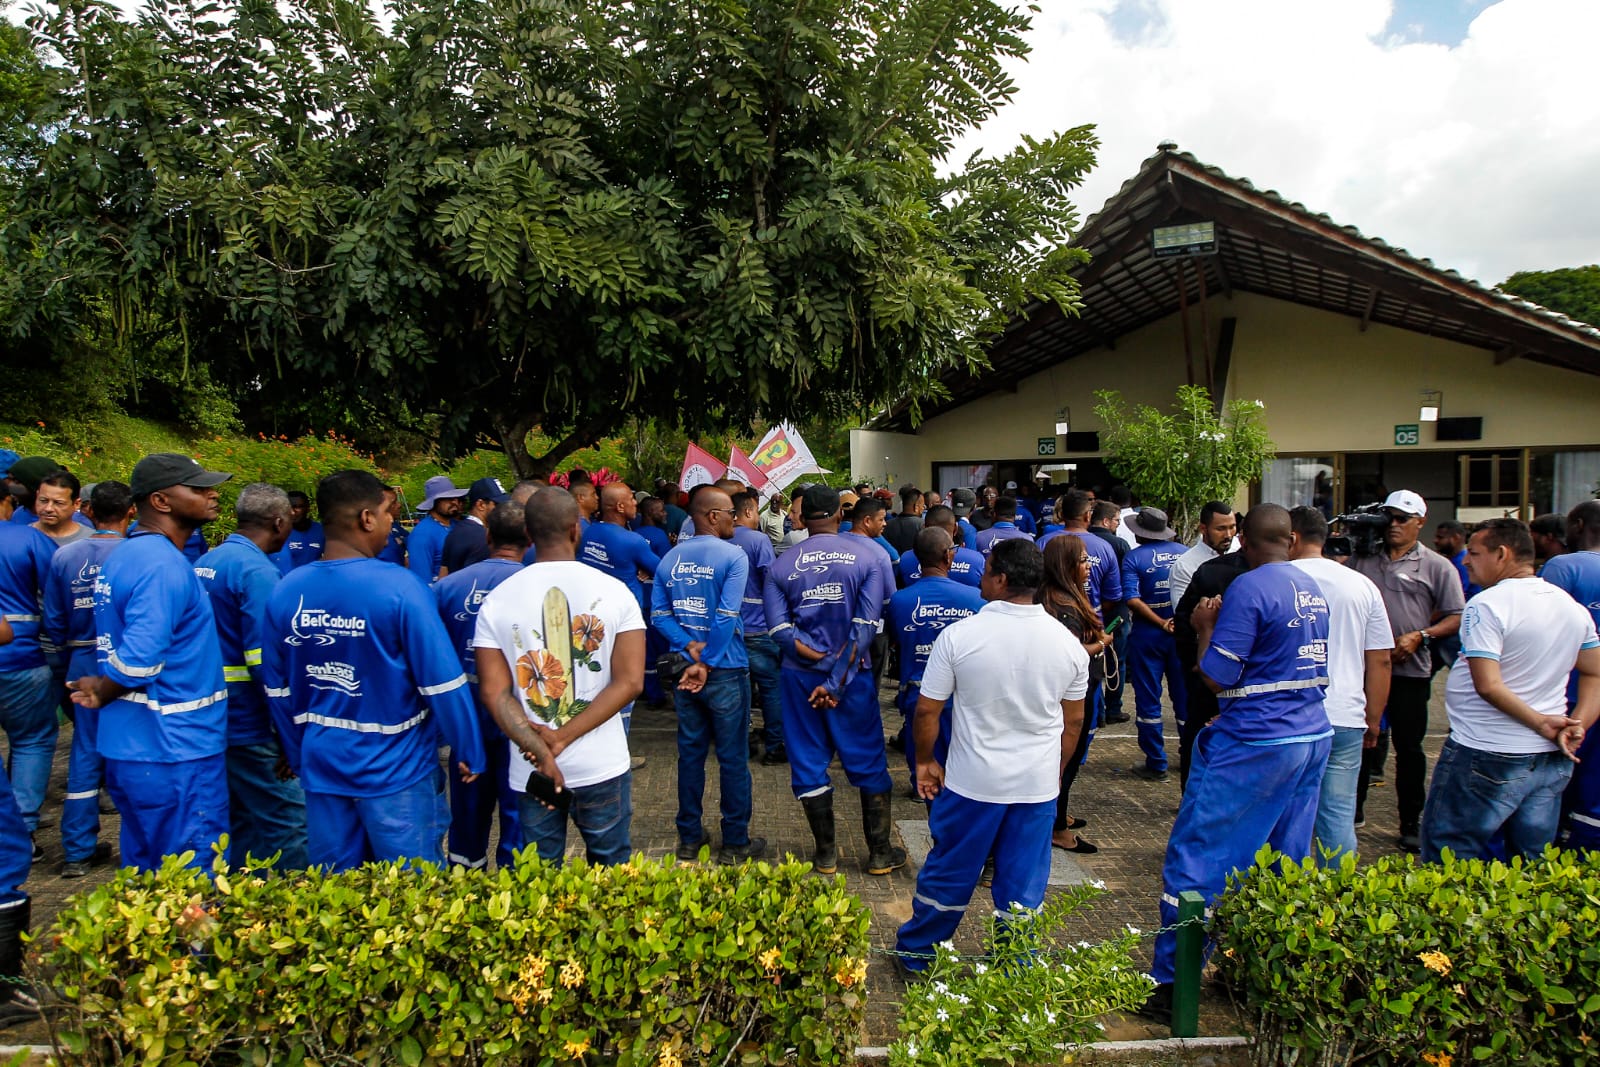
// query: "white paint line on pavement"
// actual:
[[1064, 866]]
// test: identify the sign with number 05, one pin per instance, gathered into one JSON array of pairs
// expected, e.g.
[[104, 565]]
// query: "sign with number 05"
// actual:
[[1407, 434]]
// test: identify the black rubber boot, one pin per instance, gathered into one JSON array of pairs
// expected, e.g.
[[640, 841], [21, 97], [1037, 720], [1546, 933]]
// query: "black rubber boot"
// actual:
[[17, 1002], [882, 856], [819, 813]]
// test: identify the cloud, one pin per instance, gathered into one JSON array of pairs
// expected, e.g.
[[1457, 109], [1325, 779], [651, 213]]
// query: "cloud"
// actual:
[[1480, 155]]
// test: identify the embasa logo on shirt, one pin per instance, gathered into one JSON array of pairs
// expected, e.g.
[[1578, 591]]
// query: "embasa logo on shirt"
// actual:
[[322, 627], [827, 592], [596, 551], [692, 605], [689, 573], [334, 676]]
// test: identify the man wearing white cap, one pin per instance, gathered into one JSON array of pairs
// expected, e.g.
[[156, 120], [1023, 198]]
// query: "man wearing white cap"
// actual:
[[441, 504], [1422, 594]]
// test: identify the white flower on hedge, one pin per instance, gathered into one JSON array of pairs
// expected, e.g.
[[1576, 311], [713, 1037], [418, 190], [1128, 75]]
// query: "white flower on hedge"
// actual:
[[942, 1015], [911, 1050], [940, 987], [961, 998], [1025, 1020], [980, 969], [1134, 930], [1049, 1016], [948, 946], [1098, 884], [1084, 944]]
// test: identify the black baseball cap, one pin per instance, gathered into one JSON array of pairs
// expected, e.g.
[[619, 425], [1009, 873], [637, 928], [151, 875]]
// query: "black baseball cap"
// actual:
[[819, 502], [163, 470]]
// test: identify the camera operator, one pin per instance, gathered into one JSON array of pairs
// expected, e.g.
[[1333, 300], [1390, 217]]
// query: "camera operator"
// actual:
[[1422, 594]]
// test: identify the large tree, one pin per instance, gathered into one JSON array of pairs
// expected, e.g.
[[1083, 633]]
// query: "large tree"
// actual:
[[512, 213], [1573, 291]]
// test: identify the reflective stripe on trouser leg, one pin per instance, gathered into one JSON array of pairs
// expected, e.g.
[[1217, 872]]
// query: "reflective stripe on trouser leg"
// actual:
[[1580, 804], [853, 729], [1239, 797], [1147, 647], [963, 834], [80, 811]]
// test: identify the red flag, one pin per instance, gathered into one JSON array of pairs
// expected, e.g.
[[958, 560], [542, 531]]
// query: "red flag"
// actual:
[[744, 468], [699, 468]]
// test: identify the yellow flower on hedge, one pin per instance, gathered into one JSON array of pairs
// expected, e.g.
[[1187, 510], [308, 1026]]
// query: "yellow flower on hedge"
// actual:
[[572, 974], [1437, 1059], [576, 1048], [669, 1058], [769, 959], [1437, 962], [1459, 990], [850, 972]]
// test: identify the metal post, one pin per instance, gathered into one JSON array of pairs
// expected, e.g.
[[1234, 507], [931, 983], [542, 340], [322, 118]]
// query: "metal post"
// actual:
[[1190, 959]]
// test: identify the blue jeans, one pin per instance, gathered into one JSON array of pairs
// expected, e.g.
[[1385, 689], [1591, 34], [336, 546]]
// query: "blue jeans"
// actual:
[[1477, 795], [763, 656], [268, 815], [345, 832], [602, 812], [1336, 810], [718, 715], [28, 716]]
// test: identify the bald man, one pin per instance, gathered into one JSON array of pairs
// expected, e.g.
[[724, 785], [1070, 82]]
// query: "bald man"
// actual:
[[609, 545], [1257, 770]]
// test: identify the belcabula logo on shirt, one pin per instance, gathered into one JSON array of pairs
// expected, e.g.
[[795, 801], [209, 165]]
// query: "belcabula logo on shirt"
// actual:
[[322, 627]]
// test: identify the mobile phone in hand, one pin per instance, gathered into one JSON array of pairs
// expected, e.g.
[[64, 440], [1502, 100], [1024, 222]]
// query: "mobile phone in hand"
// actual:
[[542, 788]]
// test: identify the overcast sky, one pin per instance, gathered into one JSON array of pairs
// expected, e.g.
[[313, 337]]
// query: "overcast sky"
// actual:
[[1466, 131]]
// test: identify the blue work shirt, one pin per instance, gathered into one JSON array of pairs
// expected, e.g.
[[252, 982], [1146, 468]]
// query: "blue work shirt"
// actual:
[[156, 634], [363, 680], [425, 547], [883, 543], [394, 550], [69, 599], [1005, 530], [966, 568], [969, 534], [1269, 652], [757, 548], [1105, 572], [1147, 574], [459, 595], [656, 538], [25, 556], [1578, 575], [826, 592], [23, 516], [698, 596], [1025, 519], [239, 578], [621, 553], [302, 547], [918, 615]]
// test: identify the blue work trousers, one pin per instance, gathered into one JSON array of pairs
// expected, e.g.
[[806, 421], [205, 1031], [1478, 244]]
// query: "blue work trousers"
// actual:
[[1239, 797], [268, 814], [965, 834], [1580, 803], [170, 808], [602, 812], [28, 717], [907, 702], [853, 729], [1477, 797], [718, 717], [345, 832], [473, 807], [16, 848], [762, 652], [1152, 656], [86, 772]]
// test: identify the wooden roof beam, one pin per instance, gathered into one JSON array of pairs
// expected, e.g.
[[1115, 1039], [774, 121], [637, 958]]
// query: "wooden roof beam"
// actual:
[[1507, 354], [1372, 304]]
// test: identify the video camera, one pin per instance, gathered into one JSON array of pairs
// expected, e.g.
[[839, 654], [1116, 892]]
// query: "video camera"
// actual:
[[1364, 530]]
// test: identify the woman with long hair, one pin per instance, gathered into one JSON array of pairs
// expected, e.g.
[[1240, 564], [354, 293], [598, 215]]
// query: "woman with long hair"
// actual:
[[1066, 576]]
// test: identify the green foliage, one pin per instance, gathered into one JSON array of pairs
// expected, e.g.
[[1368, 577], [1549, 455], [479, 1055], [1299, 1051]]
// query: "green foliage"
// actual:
[[1397, 962], [1573, 291], [95, 450], [277, 461], [1179, 461], [646, 963], [1036, 993], [476, 218]]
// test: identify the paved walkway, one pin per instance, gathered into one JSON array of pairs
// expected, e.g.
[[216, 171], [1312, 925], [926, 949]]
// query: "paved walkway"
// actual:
[[1129, 819]]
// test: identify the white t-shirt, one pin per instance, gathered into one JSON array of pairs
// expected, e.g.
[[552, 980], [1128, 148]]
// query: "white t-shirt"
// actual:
[[1009, 667], [1535, 631], [555, 686], [1184, 566], [1357, 624]]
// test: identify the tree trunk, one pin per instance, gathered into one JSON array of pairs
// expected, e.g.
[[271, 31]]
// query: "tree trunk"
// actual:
[[513, 433]]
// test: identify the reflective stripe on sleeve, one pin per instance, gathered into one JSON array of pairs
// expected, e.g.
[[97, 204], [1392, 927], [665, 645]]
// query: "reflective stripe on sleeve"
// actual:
[[133, 672], [444, 687], [252, 657], [175, 709], [236, 674]]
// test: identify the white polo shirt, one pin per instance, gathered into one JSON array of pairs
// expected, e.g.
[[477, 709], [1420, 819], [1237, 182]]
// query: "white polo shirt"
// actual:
[[1535, 631], [1008, 667], [1357, 624]]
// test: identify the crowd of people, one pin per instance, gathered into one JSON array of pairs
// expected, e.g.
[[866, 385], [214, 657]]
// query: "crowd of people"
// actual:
[[293, 688]]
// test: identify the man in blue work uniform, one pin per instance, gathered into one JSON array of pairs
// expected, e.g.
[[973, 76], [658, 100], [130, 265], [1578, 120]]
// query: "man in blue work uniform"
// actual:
[[363, 682], [759, 648], [1577, 573], [696, 603], [966, 567], [917, 615], [441, 504], [609, 546], [304, 543], [1005, 526], [468, 540], [460, 594], [69, 623], [1257, 770], [266, 805], [1152, 651], [27, 694], [1017, 678], [823, 600], [962, 503], [163, 702]]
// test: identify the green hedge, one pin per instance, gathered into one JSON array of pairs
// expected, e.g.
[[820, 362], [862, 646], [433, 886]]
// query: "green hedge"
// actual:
[[1402, 962], [647, 963]]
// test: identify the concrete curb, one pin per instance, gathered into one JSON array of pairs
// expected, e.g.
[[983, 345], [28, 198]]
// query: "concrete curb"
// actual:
[[1159, 1044]]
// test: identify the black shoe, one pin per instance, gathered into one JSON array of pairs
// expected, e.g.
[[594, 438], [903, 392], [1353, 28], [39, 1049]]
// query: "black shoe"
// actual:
[[1158, 1006], [107, 805], [774, 756], [1083, 848], [1116, 718], [1077, 824], [1148, 773], [688, 852], [1410, 842], [81, 868], [819, 816], [731, 855], [882, 855]]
